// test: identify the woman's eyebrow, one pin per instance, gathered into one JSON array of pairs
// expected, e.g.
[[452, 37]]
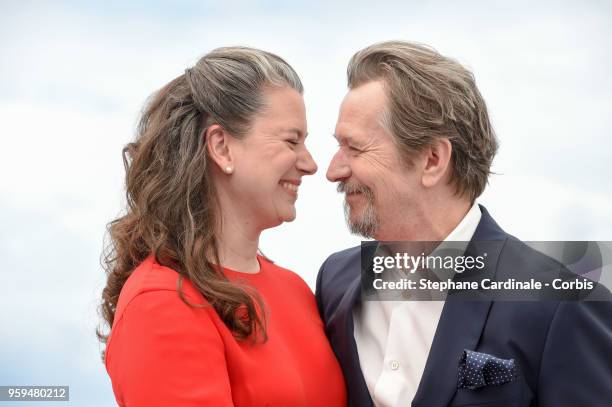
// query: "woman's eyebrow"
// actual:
[[293, 130]]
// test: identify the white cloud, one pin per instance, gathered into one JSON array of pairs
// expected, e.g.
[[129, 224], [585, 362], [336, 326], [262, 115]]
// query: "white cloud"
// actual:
[[74, 78]]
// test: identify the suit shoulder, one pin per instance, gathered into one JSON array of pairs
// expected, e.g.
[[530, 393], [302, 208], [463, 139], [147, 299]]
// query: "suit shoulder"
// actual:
[[345, 262], [534, 258], [350, 254], [343, 254], [523, 261], [339, 272]]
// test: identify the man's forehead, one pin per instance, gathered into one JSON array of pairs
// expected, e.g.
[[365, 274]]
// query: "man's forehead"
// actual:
[[361, 112], [350, 128], [354, 133], [369, 96], [363, 105]]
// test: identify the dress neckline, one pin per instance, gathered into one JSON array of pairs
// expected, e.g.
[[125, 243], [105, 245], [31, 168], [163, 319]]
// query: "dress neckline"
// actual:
[[237, 273]]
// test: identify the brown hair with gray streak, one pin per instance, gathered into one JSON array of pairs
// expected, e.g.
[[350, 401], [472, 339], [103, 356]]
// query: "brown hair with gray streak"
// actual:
[[172, 209], [431, 96]]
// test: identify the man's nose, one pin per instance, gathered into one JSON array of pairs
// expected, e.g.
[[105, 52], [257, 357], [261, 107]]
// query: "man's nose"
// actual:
[[338, 167]]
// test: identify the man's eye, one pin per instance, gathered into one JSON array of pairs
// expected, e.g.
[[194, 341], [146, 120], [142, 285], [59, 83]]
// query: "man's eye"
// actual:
[[292, 142], [350, 148]]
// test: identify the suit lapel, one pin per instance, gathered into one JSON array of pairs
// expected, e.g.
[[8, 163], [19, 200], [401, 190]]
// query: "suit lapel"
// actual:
[[460, 326]]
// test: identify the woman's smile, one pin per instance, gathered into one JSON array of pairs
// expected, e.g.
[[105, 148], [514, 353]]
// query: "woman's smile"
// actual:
[[291, 186]]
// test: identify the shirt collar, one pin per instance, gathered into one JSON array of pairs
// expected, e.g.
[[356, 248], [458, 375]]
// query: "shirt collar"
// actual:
[[464, 231], [459, 238]]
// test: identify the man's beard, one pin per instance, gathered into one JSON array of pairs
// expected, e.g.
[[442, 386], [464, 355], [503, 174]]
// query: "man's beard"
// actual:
[[367, 223]]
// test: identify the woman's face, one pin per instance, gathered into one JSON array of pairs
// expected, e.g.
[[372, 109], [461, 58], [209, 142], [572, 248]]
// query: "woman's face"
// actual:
[[270, 161]]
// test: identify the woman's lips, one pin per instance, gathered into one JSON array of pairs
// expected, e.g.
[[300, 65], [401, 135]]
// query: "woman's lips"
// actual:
[[291, 186]]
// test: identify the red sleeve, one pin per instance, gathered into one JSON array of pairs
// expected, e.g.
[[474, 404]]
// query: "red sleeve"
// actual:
[[165, 353]]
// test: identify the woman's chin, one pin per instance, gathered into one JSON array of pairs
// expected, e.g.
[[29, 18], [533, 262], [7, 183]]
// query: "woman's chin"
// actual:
[[287, 214], [281, 217], [289, 217]]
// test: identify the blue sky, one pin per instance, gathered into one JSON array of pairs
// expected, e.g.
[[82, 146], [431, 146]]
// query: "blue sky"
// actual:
[[74, 76]]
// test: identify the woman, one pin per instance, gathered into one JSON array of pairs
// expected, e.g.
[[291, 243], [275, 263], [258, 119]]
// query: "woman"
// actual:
[[218, 158]]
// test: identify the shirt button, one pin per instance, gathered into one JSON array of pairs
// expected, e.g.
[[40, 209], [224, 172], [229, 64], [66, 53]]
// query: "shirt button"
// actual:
[[394, 364]]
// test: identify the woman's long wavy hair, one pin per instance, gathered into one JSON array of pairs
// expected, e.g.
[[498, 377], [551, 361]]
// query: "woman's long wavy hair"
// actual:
[[172, 210]]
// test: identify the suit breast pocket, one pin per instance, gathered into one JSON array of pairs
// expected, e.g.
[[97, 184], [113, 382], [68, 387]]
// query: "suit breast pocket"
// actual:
[[513, 394]]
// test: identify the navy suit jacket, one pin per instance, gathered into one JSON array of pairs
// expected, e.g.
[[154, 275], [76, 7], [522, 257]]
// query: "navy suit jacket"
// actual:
[[563, 349]]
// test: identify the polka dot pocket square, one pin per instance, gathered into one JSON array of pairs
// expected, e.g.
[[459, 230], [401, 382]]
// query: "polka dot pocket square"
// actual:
[[478, 370]]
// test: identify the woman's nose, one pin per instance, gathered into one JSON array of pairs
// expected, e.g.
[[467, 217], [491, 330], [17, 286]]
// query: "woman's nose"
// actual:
[[306, 163]]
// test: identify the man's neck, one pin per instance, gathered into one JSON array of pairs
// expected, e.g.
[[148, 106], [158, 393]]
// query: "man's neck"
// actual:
[[430, 223]]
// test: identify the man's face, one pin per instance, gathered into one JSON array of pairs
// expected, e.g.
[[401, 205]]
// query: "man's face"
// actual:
[[378, 185]]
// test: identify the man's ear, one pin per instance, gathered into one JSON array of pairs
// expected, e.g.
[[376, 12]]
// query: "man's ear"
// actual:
[[437, 162], [218, 147]]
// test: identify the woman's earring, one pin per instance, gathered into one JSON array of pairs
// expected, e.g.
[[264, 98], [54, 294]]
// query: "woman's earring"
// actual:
[[229, 170]]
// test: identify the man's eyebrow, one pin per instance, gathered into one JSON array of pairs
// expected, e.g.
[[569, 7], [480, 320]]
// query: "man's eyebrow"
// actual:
[[342, 138]]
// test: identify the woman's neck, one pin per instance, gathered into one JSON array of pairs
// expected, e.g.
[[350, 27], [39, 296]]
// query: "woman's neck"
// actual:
[[238, 244]]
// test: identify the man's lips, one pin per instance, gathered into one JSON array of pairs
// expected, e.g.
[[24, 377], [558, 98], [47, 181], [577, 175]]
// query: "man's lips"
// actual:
[[349, 196]]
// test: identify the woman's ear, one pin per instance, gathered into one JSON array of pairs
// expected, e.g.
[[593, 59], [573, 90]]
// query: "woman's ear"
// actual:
[[218, 146]]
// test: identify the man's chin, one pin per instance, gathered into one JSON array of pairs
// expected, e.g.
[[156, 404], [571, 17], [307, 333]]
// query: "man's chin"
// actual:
[[360, 219], [353, 217], [354, 206], [361, 228]]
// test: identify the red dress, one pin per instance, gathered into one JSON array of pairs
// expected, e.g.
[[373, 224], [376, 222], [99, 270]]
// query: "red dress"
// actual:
[[163, 352]]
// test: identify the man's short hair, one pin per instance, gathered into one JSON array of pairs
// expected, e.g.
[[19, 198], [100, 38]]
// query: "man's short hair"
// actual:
[[430, 96]]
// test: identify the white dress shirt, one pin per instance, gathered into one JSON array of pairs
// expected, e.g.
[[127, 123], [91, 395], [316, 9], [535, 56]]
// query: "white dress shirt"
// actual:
[[394, 337]]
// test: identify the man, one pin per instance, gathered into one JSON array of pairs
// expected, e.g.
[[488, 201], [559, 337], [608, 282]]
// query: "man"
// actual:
[[415, 151]]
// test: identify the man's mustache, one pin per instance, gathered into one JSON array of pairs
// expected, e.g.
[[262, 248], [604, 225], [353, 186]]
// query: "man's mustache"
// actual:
[[352, 188]]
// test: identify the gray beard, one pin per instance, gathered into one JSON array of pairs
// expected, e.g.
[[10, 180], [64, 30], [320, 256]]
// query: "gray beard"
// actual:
[[365, 225]]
